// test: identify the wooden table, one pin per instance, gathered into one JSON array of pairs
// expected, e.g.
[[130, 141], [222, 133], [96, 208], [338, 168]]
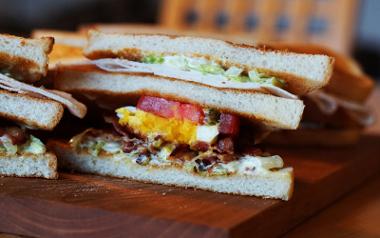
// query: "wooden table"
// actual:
[[358, 214]]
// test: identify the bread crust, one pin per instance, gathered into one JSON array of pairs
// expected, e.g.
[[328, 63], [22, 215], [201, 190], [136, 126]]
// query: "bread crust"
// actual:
[[61, 83], [67, 38], [69, 159], [26, 119], [291, 80], [346, 75], [23, 66], [52, 165], [299, 84], [89, 68]]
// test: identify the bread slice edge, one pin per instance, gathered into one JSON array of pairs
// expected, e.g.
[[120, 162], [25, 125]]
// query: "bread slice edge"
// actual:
[[280, 187], [36, 166], [265, 109]]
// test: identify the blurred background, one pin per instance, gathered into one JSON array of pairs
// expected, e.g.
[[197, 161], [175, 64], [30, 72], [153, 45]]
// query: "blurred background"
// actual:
[[350, 27]]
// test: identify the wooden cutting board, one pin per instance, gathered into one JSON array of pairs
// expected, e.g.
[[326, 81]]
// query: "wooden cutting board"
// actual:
[[92, 206]]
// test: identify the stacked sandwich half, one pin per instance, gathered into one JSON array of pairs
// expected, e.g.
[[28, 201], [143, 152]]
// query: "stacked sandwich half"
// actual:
[[184, 109], [23, 62], [336, 114]]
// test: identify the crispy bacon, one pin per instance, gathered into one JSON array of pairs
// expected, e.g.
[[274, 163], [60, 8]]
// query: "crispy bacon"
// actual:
[[226, 145], [206, 163], [116, 126], [15, 134], [200, 146], [226, 158], [229, 124], [129, 146]]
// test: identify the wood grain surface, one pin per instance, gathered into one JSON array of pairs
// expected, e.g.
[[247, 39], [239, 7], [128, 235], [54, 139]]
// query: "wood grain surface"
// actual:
[[357, 215], [91, 206]]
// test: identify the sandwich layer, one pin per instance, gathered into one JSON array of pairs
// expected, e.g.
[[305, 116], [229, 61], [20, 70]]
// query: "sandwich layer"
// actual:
[[67, 38], [347, 74], [31, 111], [277, 185], [266, 109], [44, 165], [25, 59], [302, 72]]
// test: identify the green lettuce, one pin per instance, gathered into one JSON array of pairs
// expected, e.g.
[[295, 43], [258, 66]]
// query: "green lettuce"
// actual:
[[7, 147], [153, 59], [206, 66], [34, 146]]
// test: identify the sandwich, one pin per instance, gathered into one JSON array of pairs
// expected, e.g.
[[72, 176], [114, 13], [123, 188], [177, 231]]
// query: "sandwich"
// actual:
[[26, 105], [336, 114], [67, 48], [183, 109]]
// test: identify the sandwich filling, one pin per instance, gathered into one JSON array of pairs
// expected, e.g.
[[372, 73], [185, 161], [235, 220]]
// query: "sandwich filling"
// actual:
[[163, 133], [329, 104], [200, 70], [75, 107], [15, 141]]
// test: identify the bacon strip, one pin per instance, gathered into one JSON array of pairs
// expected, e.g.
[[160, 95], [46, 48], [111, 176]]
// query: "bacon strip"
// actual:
[[75, 107]]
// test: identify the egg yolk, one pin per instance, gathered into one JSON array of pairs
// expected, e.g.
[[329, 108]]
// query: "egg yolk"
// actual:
[[146, 124]]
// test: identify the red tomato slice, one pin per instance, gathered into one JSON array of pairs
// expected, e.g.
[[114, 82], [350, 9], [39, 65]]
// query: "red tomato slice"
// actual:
[[158, 106], [229, 124], [192, 113], [171, 109]]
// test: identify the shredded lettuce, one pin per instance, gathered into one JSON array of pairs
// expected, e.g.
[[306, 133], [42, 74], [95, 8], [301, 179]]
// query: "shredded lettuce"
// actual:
[[211, 69], [34, 146], [241, 79], [166, 151], [258, 77], [206, 66], [76, 141], [233, 71], [153, 59], [7, 147], [219, 170], [112, 147], [96, 147], [197, 64]]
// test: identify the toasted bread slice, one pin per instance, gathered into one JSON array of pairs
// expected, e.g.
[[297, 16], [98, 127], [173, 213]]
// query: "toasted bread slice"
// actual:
[[314, 137], [65, 54], [67, 38], [29, 165], [67, 48], [31, 111], [269, 186], [263, 108], [347, 74], [25, 59], [302, 72]]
